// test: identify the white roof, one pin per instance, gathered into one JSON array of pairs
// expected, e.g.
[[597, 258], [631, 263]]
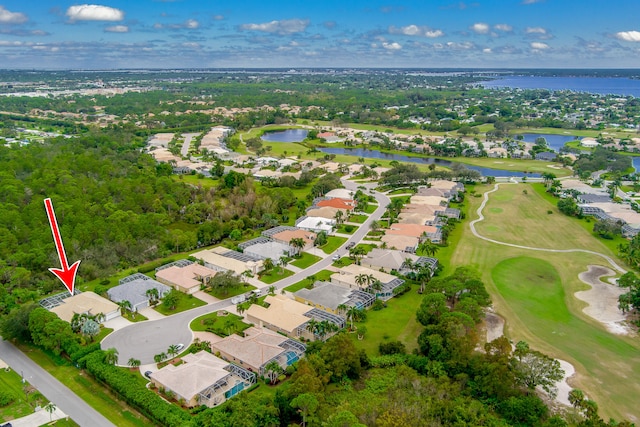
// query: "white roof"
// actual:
[[341, 193], [316, 223]]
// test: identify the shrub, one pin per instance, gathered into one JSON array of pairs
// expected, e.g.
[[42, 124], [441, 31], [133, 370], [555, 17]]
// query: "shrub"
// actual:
[[394, 347], [378, 305], [6, 398]]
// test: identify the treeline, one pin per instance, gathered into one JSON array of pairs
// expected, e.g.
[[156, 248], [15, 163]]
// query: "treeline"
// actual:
[[602, 159]]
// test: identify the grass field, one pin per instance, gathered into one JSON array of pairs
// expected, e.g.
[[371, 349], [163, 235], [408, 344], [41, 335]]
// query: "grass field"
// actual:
[[274, 275], [333, 243], [322, 275], [185, 302], [306, 259], [228, 293], [534, 291], [219, 325], [11, 382], [96, 395], [346, 229], [397, 322], [358, 219]]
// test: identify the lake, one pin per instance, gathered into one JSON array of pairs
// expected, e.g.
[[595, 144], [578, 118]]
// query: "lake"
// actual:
[[373, 154], [289, 135], [599, 85], [555, 142]]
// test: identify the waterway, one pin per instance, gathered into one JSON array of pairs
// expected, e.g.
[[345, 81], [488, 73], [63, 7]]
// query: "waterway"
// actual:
[[555, 142], [599, 85], [289, 135], [374, 154]]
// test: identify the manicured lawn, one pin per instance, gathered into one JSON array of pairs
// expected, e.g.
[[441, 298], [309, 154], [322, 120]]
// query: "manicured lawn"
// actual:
[[397, 322], [371, 208], [11, 382], [534, 290], [346, 229], [95, 394], [103, 333], [343, 262], [367, 246], [333, 243], [306, 259], [405, 190], [218, 324], [358, 219], [133, 317], [322, 275], [228, 293], [274, 275], [185, 302]]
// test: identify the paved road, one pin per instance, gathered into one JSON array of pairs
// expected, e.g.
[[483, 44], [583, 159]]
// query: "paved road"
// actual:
[[51, 388], [144, 340], [472, 224]]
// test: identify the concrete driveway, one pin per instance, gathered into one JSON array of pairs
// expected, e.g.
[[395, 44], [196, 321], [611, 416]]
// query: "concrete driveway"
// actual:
[[143, 340]]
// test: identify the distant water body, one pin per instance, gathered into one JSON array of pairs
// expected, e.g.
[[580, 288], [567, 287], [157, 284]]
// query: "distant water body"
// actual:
[[598, 85]]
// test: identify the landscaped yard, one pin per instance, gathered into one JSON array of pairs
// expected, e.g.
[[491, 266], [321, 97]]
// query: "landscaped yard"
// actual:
[[306, 259], [133, 317], [343, 262], [397, 322], [83, 385], [346, 229], [366, 246], [11, 382], [274, 275], [231, 292], [333, 243], [534, 291], [221, 325], [185, 302], [322, 275], [370, 208], [358, 219]]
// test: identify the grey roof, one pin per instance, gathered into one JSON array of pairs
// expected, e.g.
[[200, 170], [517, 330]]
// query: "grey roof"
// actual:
[[57, 299], [546, 155], [270, 249], [239, 256], [593, 198], [331, 296], [134, 288], [252, 242]]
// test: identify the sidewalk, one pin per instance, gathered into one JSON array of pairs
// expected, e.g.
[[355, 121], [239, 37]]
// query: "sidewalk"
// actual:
[[37, 418]]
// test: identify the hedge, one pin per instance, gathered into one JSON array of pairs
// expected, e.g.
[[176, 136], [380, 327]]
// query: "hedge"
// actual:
[[138, 396]]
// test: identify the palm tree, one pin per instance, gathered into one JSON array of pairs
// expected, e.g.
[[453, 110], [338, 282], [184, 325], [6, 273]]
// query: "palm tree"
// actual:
[[428, 247], [124, 305], [172, 350], [339, 217], [283, 261], [375, 225], [272, 370], [342, 309], [271, 290], [267, 264], [111, 356], [50, 408], [361, 279], [153, 295], [240, 308], [297, 243], [354, 314], [158, 358], [312, 326], [133, 363], [424, 275]]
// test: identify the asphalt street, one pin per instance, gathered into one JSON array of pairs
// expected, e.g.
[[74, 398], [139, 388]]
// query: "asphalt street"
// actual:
[[144, 340], [51, 388]]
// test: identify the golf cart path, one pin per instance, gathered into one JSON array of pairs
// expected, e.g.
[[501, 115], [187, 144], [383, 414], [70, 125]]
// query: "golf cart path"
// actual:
[[473, 223]]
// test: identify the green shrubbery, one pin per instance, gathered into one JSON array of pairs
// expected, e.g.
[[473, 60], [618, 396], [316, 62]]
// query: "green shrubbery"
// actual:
[[6, 398]]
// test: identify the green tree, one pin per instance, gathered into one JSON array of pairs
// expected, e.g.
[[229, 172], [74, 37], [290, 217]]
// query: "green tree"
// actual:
[[267, 264], [273, 371], [50, 408], [297, 243], [111, 356], [171, 300], [133, 363], [307, 404], [534, 369], [90, 329]]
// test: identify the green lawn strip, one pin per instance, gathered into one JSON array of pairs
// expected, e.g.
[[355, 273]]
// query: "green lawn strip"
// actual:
[[346, 229], [368, 247], [306, 259], [228, 293], [219, 325], [371, 208], [333, 243], [11, 382], [134, 317], [322, 275], [185, 302], [84, 386], [533, 289], [404, 190], [358, 219], [274, 275], [63, 423], [103, 333], [396, 322]]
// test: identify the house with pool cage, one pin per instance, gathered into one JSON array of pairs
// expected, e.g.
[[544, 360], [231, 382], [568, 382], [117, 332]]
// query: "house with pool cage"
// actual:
[[257, 348], [203, 379]]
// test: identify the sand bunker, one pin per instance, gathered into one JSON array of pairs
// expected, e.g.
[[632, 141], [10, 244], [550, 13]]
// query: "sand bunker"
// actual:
[[602, 299]]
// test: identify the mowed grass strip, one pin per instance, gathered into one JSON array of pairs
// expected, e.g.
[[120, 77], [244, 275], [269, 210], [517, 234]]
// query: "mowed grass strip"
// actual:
[[306, 259], [333, 243], [534, 290]]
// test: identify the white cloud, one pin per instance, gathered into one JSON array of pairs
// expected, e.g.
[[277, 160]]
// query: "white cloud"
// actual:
[[218, 17], [531, 1], [8, 17], [460, 46], [392, 46], [287, 26], [503, 27], [628, 36], [487, 50], [94, 12], [416, 30], [480, 28], [535, 30], [539, 46], [192, 24], [117, 29]]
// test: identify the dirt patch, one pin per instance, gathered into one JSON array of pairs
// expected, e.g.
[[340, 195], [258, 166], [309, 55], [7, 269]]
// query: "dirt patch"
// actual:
[[602, 299], [494, 325]]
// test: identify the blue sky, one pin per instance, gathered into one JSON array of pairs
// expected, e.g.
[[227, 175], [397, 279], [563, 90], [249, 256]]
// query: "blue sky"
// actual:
[[300, 33]]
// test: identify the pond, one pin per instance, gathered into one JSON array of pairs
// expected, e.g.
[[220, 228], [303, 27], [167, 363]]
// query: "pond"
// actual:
[[373, 154], [555, 142], [289, 135]]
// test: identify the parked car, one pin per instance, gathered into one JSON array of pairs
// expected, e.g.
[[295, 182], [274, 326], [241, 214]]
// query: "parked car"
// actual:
[[148, 374], [350, 245], [336, 257], [179, 347]]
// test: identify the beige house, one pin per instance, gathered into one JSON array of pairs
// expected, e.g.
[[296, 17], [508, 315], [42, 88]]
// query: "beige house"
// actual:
[[86, 303], [429, 200], [401, 243], [223, 259], [257, 348], [203, 379], [184, 275], [308, 237], [327, 212], [413, 230], [348, 277], [283, 315]]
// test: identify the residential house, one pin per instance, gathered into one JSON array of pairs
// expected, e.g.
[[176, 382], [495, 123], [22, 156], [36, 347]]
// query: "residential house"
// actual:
[[184, 275], [330, 297], [285, 236], [316, 224], [348, 277], [135, 289], [223, 259], [85, 303]]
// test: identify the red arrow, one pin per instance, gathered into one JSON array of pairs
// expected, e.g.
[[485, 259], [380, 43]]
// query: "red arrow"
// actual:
[[67, 274]]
